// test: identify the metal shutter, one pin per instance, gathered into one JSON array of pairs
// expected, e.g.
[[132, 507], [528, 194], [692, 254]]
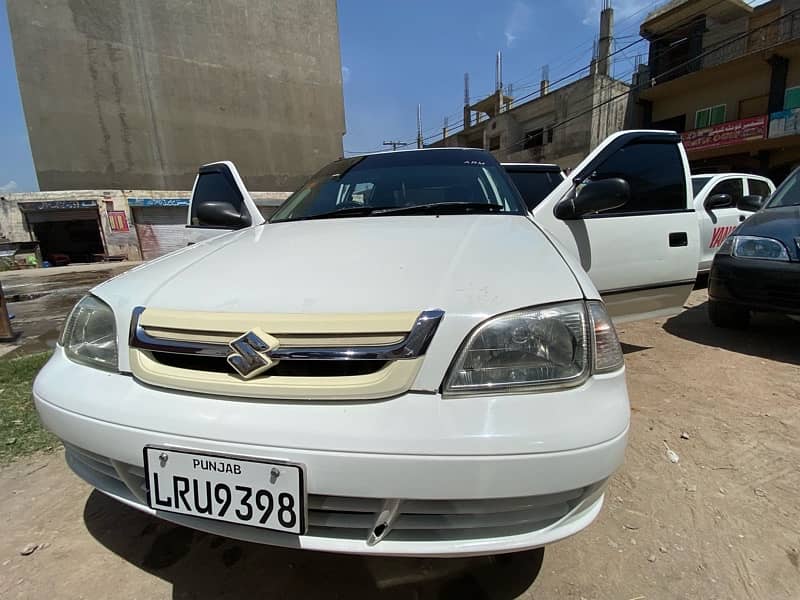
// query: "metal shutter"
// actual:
[[161, 229]]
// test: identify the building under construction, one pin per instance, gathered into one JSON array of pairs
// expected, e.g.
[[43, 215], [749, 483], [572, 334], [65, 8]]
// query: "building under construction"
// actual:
[[556, 125]]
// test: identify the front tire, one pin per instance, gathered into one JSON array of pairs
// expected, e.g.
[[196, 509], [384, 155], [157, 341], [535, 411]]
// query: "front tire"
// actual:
[[729, 316]]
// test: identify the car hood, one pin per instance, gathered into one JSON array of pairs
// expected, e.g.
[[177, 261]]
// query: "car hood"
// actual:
[[463, 263], [778, 223]]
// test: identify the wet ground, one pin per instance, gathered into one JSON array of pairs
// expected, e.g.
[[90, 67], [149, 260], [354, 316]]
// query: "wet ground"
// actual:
[[721, 523], [41, 299]]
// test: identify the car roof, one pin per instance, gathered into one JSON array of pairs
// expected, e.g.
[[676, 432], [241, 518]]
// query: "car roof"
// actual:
[[712, 175]]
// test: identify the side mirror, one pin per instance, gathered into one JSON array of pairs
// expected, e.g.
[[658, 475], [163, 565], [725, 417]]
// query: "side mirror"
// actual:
[[221, 214], [750, 203], [595, 197], [718, 201]]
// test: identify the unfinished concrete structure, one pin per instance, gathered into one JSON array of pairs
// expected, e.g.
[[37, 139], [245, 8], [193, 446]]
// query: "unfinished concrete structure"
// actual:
[[557, 125], [122, 94]]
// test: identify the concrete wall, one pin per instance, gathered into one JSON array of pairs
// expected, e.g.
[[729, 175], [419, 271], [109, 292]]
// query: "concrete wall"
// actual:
[[123, 94]]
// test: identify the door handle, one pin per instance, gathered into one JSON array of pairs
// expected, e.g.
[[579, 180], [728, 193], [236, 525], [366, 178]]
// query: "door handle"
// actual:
[[678, 239]]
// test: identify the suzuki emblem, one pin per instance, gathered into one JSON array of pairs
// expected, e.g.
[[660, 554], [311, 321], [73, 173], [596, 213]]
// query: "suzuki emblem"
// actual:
[[251, 353]]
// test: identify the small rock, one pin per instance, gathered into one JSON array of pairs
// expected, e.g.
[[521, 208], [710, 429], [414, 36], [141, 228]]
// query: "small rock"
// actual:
[[45, 545], [723, 491], [652, 558], [760, 493], [6, 562], [691, 488], [684, 435], [11, 441], [662, 549], [29, 549], [673, 456], [633, 542]]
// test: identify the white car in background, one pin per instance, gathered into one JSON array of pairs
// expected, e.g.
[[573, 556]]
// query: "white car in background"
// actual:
[[722, 201], [404, 360]]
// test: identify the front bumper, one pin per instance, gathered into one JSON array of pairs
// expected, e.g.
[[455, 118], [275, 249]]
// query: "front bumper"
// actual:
[[478, 479], [762, 285]]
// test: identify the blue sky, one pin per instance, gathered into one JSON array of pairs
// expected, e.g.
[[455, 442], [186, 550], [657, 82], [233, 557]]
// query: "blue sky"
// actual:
[[398, 54]]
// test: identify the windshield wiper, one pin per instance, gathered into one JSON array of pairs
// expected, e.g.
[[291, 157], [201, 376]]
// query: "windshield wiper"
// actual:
[[439, 208], [353, 211]]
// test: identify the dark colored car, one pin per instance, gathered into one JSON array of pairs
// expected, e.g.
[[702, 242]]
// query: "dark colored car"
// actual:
[[758, 267], [533, 180]]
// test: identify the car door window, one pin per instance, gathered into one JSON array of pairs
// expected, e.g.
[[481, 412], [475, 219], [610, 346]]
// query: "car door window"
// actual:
[[733, 187], [758, 187], [655, 174], [534, 186], [214, 186]]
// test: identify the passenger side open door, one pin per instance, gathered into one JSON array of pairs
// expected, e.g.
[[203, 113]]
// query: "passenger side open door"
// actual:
[[626, 213], [220, 202]]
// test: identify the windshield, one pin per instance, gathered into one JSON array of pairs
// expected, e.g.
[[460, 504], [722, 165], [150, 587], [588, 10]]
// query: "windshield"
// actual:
[[698, 183], [404, 183], [535, 186], [788, 193]]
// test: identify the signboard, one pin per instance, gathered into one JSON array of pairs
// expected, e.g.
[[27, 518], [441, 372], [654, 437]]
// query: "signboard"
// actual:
[[785, 122], [58, 205], [118, 221], [158, 202], [726, 134]]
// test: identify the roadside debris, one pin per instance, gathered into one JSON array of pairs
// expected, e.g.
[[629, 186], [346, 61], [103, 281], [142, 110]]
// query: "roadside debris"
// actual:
[[672, 456]]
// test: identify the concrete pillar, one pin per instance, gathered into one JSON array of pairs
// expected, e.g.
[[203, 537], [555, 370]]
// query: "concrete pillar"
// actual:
[[606, 35]]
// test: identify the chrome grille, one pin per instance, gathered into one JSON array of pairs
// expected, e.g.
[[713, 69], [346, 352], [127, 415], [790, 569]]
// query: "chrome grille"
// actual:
[[344, 517]]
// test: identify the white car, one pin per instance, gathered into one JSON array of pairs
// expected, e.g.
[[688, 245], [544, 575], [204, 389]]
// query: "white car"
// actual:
[[723, 201], [403, 361]]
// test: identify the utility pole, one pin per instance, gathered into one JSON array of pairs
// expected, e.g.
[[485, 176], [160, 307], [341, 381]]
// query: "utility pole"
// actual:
[[395, 144], [419, 125]]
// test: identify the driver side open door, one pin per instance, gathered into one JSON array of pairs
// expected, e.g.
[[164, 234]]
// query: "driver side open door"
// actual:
[[219, 203]]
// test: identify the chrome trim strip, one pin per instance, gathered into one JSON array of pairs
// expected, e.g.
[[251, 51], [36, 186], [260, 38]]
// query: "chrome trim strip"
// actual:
[[415, 344]]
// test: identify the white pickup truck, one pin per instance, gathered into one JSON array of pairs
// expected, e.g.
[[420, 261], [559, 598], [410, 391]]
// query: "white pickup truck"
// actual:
[[723, 201], [403, 361]]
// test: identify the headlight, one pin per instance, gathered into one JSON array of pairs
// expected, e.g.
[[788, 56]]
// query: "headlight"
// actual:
[[550, 346], [90, 334], [748, 246]]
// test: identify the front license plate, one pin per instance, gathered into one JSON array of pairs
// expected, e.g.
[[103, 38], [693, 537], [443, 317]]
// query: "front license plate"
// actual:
[[270, 495]]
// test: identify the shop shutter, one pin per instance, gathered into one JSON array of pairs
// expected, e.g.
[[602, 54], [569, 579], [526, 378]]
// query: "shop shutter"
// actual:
[[161, 229]]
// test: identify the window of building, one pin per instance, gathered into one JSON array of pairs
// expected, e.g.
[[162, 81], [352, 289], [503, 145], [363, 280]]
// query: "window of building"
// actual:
[[494, 142], [791, 98], [758, 187], [533, 139], [655, 174], [754, 107], [713, 115], [732, 187]]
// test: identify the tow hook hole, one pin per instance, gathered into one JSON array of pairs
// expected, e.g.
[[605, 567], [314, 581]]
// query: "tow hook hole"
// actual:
[[378, 531]]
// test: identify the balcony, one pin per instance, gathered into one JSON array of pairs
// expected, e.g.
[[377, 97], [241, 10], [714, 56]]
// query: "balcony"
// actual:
[[676, 64]]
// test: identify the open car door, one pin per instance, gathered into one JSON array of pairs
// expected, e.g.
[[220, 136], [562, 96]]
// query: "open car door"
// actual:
[[220, 202], [626, 213]]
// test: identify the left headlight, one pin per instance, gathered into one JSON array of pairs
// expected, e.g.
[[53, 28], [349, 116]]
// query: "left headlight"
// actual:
[[527, 350], [90, 334], [748, 246]]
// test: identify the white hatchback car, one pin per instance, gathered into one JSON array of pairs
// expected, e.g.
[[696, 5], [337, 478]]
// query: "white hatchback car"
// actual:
[[722, 201], [403, 361]]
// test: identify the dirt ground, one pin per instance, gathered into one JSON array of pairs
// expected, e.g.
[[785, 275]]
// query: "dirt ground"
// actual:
[[723, 522]]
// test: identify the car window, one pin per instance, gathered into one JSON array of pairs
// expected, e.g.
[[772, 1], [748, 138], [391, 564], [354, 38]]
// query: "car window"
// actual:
[[698, 183], [535, 186], [758, 187], [401, 180], [214, 186], [788, 193], [655, 174], [733, 187]]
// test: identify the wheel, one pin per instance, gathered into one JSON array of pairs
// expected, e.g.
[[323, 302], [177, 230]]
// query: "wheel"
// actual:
[[729, 316]]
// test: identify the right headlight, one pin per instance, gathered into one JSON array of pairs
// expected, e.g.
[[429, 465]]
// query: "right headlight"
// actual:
[[749, 246], [551, 346], [90, 334]]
